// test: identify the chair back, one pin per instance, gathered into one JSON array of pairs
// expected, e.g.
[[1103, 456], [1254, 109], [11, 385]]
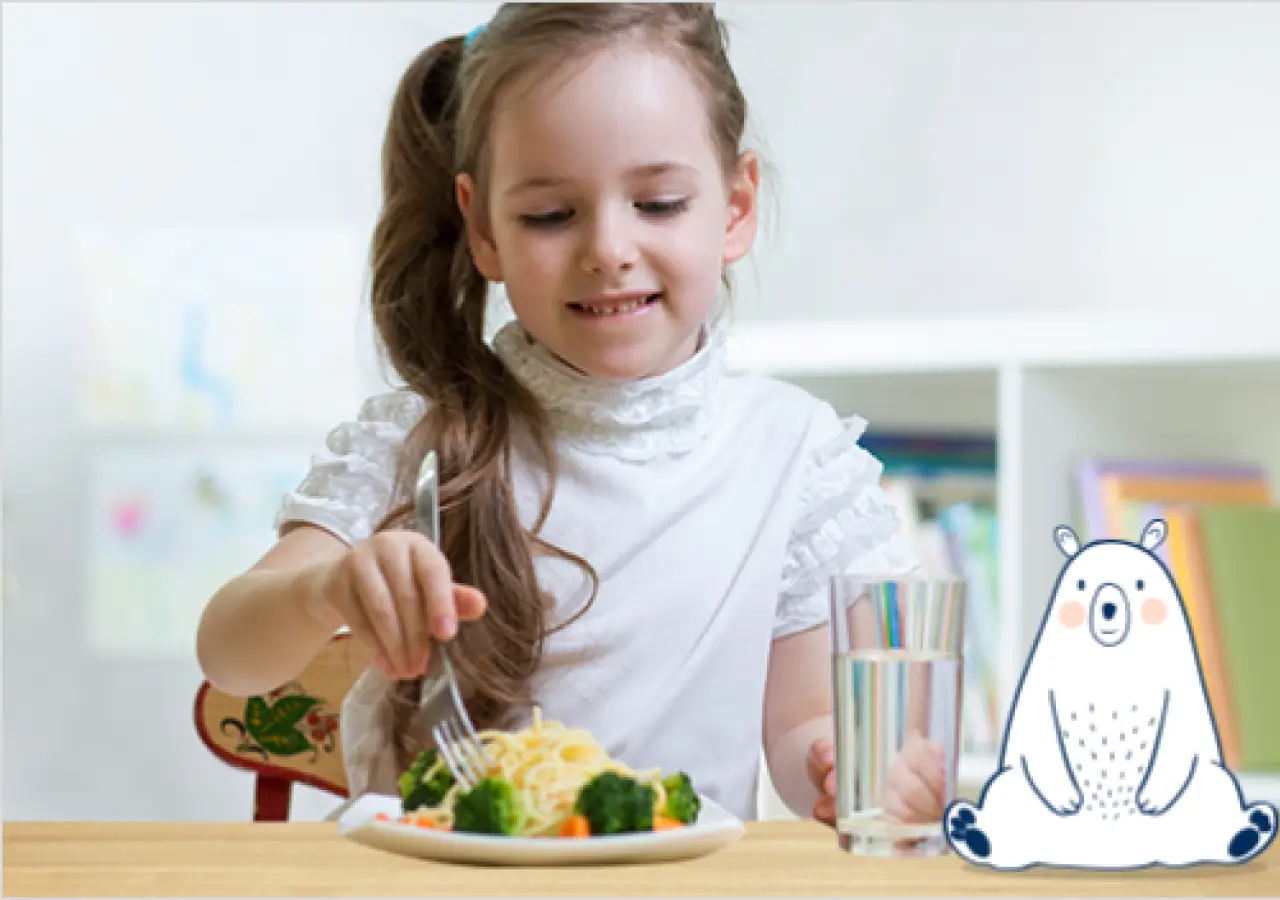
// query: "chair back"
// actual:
[[289, 735]]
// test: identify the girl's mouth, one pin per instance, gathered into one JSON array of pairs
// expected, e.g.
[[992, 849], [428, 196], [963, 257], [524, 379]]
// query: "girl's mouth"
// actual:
[[605, 309]]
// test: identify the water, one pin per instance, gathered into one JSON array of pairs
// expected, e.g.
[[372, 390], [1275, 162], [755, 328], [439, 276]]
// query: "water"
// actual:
[[881, 697]]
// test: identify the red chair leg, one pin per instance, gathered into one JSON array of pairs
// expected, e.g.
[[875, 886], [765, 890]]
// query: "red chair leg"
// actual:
[[271, 799]]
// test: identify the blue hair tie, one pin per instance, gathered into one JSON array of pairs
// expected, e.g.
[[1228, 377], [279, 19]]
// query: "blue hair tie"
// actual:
[[475, 33]]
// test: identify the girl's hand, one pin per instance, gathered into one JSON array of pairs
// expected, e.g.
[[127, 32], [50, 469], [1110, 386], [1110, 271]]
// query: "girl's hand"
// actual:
[[917, 782], [821, 766], [396, 594]]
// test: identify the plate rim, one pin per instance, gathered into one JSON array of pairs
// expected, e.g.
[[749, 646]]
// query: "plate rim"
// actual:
[[353, 824]]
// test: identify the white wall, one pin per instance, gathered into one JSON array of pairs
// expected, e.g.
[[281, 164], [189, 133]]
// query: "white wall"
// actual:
[[942, 157], [937, 158]]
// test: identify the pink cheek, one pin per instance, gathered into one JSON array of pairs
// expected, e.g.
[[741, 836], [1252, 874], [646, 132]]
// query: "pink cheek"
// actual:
[[1153, 611], [1071, 615]]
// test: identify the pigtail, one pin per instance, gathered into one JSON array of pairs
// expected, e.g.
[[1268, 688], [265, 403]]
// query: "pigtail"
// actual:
[[429, 304]]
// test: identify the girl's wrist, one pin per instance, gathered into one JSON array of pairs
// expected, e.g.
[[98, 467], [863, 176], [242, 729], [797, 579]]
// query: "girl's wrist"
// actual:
[[314, 590], [788, 764]]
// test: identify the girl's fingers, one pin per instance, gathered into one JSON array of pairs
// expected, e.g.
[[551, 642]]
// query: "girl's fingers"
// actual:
[[397, 572], [363, 631], [377, 612], [469, 602], [825, 811], [431, 570], [819, 761], [825, 750], [912, 795]]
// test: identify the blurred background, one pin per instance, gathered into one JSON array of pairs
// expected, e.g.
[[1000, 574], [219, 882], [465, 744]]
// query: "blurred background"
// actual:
[[1034, 244]]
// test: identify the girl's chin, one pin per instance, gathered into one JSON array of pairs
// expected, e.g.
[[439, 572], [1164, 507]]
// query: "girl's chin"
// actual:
[[627, 364]]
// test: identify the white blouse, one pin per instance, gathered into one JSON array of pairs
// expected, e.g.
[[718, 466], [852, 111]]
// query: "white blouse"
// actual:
[[712, 507]]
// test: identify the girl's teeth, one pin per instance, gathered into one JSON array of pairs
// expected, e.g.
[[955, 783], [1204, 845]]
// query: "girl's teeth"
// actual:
[[614, 310]]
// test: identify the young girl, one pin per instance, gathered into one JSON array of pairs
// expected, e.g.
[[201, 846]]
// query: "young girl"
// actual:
[[631, 539]]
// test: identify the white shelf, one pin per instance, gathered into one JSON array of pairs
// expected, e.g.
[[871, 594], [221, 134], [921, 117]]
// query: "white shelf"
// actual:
[[1054, 390], [1080, 338]]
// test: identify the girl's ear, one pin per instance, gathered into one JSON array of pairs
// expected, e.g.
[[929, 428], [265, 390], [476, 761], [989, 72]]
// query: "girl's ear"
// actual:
[[483, 251], [744, 187]]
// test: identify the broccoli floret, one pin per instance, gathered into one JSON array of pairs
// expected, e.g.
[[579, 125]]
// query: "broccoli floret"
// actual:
[[683, 802], [426, 783], [491, 807], [616, 804]]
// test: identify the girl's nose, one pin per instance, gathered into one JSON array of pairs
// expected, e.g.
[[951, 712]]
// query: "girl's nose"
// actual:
[[609, 245]]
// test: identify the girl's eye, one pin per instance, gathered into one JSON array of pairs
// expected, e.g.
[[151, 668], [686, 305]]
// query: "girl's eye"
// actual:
[[1080, 585], [547, 220], [663, 207], [648, 207], [1140, 583]]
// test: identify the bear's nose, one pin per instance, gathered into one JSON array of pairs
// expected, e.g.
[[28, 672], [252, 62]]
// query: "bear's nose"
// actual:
[[1108, 611]]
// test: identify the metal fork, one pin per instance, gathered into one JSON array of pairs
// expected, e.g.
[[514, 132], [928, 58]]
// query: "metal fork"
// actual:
[[440, 706]]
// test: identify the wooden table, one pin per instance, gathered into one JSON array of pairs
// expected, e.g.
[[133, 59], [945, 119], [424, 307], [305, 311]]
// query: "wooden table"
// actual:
[[775, 859]]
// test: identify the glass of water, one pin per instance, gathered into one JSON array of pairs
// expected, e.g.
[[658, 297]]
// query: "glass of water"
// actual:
[[897, 677]]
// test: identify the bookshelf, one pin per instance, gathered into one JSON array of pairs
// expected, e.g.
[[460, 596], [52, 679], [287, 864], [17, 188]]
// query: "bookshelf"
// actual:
[[1053, 390]]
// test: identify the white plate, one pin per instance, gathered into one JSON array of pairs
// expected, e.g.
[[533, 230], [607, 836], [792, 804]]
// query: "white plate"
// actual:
[[716, 828]]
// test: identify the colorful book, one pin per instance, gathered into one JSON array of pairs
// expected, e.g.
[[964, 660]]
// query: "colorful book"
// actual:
[[972, 538], [1188, 568], [1241, 547], [1105, 485], [1119, 489]]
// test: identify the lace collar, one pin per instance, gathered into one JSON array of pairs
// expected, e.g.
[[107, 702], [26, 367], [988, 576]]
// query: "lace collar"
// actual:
[[635, 420]]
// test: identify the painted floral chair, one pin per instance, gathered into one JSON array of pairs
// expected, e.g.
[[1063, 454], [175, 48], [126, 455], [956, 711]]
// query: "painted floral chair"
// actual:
[[288, 736]]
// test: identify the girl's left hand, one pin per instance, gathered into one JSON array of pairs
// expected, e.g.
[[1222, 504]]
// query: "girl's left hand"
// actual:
[[821, 766]]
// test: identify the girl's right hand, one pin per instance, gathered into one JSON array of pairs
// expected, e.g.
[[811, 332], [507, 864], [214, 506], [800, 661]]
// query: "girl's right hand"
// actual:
[[916, 787], [396, 593]]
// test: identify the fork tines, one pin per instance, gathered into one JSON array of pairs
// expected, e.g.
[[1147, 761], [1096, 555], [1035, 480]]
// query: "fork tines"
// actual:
[[463, 753]]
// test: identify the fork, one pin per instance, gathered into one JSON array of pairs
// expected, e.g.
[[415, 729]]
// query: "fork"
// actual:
[[440, 705]]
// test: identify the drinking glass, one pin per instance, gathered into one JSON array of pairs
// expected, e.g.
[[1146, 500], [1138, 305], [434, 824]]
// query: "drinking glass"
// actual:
[[897, 669]]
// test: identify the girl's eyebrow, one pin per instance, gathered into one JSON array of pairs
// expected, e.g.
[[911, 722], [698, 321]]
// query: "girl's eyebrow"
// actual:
[[645, 170]]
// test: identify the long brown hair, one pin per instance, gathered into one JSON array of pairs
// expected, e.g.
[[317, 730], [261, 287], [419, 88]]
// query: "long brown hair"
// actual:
[[429, 303]]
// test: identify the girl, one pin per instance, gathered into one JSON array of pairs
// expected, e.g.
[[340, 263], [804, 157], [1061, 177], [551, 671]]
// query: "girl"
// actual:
[[631, 538]]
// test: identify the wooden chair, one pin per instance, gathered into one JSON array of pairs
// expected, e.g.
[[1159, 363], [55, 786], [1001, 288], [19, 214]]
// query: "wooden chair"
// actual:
[[290, 735]]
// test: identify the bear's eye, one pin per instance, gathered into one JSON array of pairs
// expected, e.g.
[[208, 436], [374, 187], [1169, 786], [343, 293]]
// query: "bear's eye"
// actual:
[[1080, 584], [1140, 584]]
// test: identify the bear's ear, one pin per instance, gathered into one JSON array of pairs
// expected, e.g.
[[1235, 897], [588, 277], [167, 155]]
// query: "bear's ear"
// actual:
[[1154, 534], [1066, 540]]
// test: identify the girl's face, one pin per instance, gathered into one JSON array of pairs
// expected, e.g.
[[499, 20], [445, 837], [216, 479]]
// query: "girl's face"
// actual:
[[609, 216]]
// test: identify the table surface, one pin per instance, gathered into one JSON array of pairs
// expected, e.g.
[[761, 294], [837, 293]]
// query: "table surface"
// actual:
[[774, 859]]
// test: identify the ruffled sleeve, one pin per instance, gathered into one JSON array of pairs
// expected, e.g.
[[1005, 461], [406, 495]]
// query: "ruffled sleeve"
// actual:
[[846, 525], [347, 490]]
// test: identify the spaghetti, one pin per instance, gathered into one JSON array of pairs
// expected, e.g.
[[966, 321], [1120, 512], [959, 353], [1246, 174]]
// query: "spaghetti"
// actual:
[[548, 764]]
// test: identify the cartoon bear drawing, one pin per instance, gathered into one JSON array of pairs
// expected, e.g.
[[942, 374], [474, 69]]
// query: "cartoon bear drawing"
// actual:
[[1111, 757]]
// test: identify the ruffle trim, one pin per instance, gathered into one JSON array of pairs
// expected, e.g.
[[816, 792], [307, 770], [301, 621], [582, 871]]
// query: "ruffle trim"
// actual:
[[848, 524], [637, 420], [797, 612], [348, 488]]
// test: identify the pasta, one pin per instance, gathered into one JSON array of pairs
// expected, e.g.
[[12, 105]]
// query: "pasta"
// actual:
[[547, 764]]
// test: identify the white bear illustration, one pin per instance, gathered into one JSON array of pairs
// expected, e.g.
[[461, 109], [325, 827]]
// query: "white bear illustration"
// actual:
[[1111, 757]]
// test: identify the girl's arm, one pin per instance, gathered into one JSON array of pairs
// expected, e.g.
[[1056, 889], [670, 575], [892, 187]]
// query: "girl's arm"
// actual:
[[797, 712], [263, 627]]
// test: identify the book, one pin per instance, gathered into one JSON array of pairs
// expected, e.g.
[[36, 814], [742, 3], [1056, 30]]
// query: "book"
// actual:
[[1241, 547], [1186, 563], [944, 487], [1105, 485]]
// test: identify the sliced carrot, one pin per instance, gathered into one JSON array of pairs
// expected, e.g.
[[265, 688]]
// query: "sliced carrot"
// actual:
[[575, 827], [662, 823], [382, 817]]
